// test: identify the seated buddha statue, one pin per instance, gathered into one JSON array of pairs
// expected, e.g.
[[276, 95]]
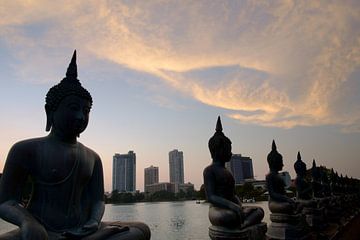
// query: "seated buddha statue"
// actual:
[[304, 193], [226, 209], [67, 196], [316, 181], [278, 201], [325, 182]]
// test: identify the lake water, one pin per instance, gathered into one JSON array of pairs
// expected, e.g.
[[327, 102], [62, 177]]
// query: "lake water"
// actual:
[[167, 220]]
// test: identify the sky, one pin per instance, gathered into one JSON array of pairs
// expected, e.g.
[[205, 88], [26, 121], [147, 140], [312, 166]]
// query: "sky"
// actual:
[[160, 72]]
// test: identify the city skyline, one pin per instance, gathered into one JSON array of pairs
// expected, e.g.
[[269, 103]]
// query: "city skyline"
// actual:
[[283, 70]]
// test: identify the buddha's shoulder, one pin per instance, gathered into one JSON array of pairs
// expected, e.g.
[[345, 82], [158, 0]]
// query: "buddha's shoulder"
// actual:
[[210, 169], [28, 144], [89, 152]]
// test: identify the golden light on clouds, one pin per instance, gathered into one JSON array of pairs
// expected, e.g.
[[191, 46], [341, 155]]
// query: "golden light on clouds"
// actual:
[[281, 63]]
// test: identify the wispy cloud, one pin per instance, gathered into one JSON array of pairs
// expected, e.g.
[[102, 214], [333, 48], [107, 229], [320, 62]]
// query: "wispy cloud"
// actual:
[[280, 63]]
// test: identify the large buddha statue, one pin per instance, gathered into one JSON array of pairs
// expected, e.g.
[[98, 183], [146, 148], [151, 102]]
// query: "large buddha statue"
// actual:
[[66, 200], [278, 201], [225, 207]]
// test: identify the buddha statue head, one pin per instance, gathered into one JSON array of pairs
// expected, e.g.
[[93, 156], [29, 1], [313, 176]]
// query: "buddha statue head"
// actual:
[[75, 99], [275, 159], [315, 172], [300, 166], [220, 145]]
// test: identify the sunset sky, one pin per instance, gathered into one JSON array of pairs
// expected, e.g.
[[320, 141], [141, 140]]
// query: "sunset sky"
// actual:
[[160, 72]]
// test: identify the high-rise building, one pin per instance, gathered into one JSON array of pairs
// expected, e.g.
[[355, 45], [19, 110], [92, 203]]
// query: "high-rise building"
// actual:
[[151, 176], [124, 172], [176, 166], [241, 168]]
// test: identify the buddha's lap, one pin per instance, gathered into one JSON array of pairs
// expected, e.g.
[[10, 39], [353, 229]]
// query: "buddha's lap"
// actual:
[[223, 217], [281, 207], [136, 231]]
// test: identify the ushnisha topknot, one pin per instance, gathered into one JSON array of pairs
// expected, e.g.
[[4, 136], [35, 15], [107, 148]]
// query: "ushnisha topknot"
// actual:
[[70, 85], [218, 140], [274, 154]]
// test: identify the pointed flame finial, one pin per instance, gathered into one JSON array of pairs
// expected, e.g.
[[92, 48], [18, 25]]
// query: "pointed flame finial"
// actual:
[[273, 147], [71, 72], [218, 125], [298, 156], [314, 164]]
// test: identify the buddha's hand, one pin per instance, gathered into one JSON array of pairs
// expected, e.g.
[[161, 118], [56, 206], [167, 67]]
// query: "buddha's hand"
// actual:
[[31, 230], [91, 225]]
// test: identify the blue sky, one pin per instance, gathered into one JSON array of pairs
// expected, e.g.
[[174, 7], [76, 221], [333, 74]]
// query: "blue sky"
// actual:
[[161, 72]]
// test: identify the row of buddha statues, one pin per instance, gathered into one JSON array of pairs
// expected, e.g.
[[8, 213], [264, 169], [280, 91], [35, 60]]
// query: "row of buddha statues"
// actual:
[[322, 197], [67, 186]]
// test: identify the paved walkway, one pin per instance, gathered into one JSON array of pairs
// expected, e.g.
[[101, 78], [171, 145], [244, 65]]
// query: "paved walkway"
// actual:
[[351, 231]]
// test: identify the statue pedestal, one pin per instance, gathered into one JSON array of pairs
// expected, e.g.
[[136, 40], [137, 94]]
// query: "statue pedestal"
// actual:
[[314, 217], [285, 226], [254, 232]]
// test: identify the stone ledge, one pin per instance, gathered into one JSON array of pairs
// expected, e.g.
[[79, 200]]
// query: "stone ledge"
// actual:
[[255, 232]]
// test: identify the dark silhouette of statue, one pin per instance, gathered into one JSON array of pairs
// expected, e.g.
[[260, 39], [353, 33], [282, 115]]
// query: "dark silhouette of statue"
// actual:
[[66, 201], [225, 207], [325, 182], [303, 186], [278, 201], [286, 222], [316, 181]]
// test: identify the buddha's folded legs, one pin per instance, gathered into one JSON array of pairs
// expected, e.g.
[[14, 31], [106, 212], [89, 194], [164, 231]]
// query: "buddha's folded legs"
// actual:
[[125, 231], [132, 230], [253, 215], [281, 207], [224, 217]]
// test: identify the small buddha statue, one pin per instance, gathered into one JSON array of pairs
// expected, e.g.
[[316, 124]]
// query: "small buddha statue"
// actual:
[[226, 209], [67, 197], [316, 181], [278, 201], [304, 197], [303, 187], [325, 182], [333, 182]]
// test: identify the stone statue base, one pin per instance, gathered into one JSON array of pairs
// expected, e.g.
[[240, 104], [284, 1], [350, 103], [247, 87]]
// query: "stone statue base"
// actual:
[[314, 218], [284, 226], [254, 232]]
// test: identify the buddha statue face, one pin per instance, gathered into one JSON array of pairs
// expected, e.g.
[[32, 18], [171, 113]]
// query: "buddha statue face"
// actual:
[[222, 151], [71, 116]]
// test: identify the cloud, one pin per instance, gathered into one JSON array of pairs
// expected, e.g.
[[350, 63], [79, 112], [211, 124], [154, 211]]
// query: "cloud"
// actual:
[[280, 63]]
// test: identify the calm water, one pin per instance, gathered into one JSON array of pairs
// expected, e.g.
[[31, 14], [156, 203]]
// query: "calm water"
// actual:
[[167, 220]]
